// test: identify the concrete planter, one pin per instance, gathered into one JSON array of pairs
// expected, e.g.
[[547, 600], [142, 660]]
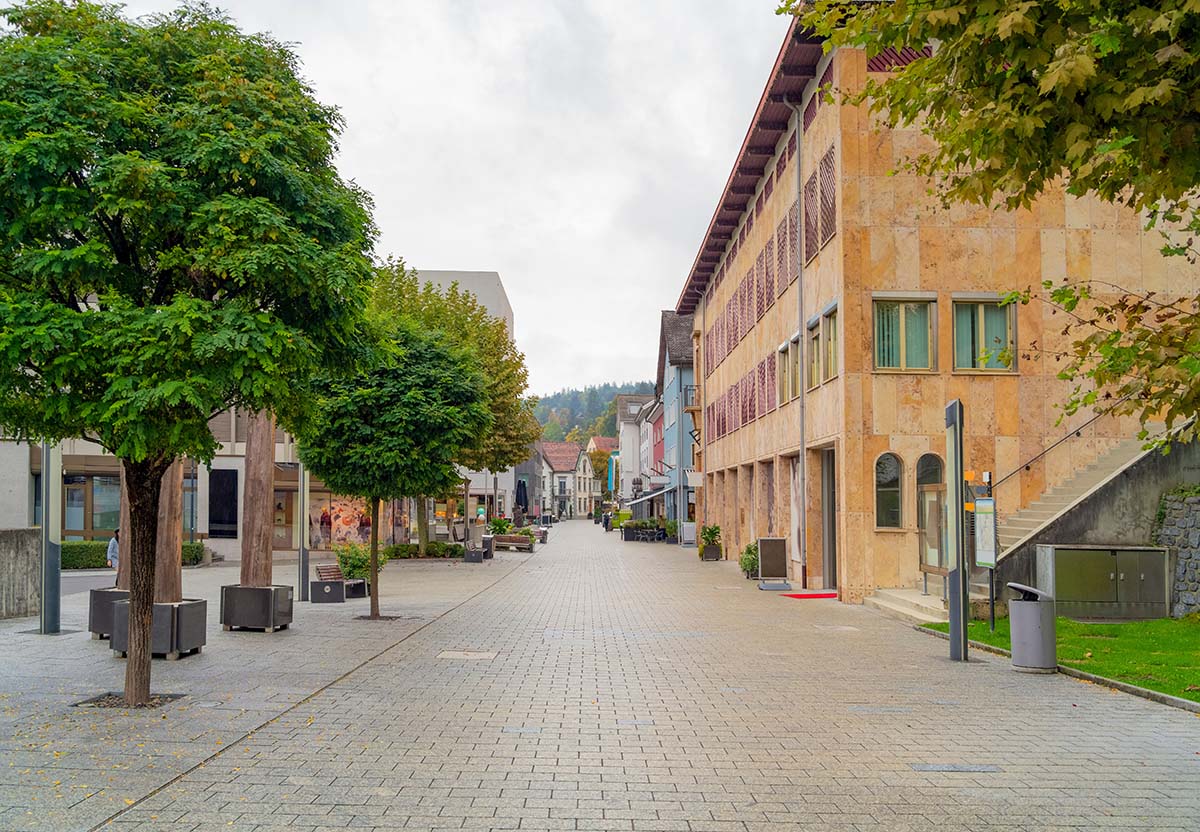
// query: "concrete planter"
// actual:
[[711, 552], [100, 610], [267, 608], [177, 630]]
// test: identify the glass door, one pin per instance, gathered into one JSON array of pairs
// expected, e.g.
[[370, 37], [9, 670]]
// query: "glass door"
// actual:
[[931, 502]]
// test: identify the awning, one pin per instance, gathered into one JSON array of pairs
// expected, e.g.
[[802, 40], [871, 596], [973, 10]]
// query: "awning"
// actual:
[[649, 496]]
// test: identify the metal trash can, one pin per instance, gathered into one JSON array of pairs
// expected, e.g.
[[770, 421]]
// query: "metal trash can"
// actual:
[[1031, 619]]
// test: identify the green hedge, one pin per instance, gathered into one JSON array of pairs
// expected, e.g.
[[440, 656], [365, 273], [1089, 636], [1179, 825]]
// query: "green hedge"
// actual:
[[93, 554], [434, 549], [84, 554]]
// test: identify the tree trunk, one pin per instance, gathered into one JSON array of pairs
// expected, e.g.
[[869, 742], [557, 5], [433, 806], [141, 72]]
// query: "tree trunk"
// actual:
[[257, 500], [143, 481], [123, 548], [374, 593], [422, 525], [168, 574]]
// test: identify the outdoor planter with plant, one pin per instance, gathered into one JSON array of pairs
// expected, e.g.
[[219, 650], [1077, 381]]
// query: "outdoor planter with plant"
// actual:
[[748, 561], [710, 542], [672, 529]]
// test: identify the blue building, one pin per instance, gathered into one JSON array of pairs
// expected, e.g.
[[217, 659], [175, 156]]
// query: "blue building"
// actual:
[[675, 387]]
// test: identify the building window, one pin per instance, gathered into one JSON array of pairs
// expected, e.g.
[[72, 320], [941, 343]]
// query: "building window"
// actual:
[[829, 334], [814, 355], [796, 384], [783, 375], [903, 335], [223, 503], [106, 503], [887, 492], [982, 336]]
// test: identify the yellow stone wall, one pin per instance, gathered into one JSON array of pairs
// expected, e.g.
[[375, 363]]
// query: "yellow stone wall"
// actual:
[[893, 235]]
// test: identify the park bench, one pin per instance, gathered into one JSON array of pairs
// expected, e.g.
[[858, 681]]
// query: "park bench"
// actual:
[[332, 587], [515, 541]]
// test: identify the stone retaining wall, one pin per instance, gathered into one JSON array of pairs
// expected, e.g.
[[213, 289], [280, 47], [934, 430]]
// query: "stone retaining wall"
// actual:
[[20, 572], [1180, 530]]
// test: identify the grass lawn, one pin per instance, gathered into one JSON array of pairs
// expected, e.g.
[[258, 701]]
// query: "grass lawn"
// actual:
[[1162, 655]]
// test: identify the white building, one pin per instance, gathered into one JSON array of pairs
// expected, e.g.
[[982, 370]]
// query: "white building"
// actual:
[[629, 442]]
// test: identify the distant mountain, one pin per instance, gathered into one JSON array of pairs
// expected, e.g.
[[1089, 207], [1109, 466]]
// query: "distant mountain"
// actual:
[[584, 410]]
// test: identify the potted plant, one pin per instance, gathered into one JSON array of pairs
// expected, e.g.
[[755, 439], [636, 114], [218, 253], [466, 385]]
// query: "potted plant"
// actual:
[[629, 529], [710, 543], [749, 560], [500, 525], [672, 529]]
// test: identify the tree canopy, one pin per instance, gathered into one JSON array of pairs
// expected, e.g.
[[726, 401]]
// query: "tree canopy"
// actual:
[[174, 240], [1097, 97], [456, 312]]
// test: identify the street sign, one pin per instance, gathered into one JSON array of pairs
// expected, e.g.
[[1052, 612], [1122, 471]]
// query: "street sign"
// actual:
[[985, 532]]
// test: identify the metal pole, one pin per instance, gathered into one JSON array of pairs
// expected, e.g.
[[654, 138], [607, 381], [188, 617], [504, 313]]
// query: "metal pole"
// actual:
[[992, 569], [52, 485], [956, 525], [302, 560]]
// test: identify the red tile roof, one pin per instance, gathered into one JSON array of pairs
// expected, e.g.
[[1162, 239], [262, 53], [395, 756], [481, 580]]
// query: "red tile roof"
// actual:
[[562, 456], [605, 443]]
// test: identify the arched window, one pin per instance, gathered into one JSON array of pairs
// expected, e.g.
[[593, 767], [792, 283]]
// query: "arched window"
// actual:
[[888, 469], [929, 470]]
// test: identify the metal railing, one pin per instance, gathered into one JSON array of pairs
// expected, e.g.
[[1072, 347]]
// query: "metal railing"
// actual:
[[1028, 464]]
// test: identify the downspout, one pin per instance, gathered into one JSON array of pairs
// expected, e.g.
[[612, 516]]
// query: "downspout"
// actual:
[[802, 345]]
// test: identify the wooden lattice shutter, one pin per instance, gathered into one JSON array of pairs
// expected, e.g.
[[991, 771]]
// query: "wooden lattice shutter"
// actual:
[[811, 218], [781, 259], [760, 301], [828, 196], [768, 277], [794, 241]]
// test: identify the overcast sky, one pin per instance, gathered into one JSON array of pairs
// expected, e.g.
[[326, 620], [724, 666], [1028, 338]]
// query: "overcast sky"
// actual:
[[578, 147]]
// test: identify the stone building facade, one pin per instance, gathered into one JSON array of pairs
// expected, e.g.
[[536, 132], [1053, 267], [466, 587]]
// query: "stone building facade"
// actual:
[[838, 308]]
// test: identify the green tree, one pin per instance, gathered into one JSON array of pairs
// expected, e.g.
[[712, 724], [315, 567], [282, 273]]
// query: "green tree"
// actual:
[[553, 431], [175, 240], [600, 466], [606, 423], [456, 312], [1023, 96], [396, 430]]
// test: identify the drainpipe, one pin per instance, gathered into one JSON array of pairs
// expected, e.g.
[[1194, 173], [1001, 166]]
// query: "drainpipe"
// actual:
[[802, 458]]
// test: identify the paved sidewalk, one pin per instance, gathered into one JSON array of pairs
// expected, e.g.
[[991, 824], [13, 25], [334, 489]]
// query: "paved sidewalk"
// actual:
[[624, 686], [67, 768]]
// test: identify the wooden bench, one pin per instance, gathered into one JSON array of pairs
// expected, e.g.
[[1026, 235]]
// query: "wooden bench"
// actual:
[[515, 541], [332, 587]]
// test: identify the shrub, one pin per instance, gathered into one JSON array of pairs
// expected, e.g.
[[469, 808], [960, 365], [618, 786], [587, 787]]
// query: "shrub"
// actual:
[[355, 560], [193, 554], [455, 550], [527, 532], [400, 551], [84, 554], [672, 528], [710, 534], [500, 525], [749, 559], [621, 519]]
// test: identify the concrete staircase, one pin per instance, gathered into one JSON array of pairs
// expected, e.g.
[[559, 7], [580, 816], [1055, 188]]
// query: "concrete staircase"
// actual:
[[1013, 529], [908, 605]]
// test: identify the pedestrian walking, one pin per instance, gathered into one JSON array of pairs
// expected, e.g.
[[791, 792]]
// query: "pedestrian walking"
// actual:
[[114, 554]]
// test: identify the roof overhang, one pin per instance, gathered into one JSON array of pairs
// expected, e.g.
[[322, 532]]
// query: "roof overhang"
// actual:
[[795, 66]]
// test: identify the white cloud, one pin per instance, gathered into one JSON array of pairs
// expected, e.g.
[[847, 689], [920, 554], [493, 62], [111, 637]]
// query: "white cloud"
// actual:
[[578, 147]]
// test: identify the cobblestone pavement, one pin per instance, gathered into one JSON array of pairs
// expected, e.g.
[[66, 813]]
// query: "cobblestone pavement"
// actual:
[[67, 768], [625, 686]]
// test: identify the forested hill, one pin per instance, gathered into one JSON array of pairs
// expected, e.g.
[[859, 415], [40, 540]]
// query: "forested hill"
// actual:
[[572, 408]]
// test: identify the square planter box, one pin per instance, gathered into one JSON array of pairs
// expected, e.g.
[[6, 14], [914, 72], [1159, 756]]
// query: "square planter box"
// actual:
[[357, 588], [712, 551], [627, 534], [327, 592], [100, 610], [267, 608], [177, 629], [473, 556]]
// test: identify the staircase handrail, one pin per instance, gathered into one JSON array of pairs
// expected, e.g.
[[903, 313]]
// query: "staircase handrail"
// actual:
[[1027, 464]]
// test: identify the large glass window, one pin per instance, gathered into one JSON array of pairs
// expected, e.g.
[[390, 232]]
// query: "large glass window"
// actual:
[[830, 336], [797, 385], [982, 336], [814, 356], [783, 383], [223, 503], [903, 335], [887, 492], [106, 503]]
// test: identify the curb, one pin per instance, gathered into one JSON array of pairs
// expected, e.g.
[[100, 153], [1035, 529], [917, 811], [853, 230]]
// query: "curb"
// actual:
[[1124, 687]]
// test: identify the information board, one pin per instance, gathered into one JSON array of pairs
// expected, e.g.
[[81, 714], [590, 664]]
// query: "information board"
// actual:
[[985, 532]]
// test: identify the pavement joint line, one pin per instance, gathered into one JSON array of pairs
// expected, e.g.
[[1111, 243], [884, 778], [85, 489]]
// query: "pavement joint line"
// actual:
[[251, 731]]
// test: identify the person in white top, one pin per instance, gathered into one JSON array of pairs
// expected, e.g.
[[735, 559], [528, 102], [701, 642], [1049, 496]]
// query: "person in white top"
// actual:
[[114, 551]]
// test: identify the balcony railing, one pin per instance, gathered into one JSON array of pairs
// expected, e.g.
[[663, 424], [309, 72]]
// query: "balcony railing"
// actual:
[[691, 397]]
